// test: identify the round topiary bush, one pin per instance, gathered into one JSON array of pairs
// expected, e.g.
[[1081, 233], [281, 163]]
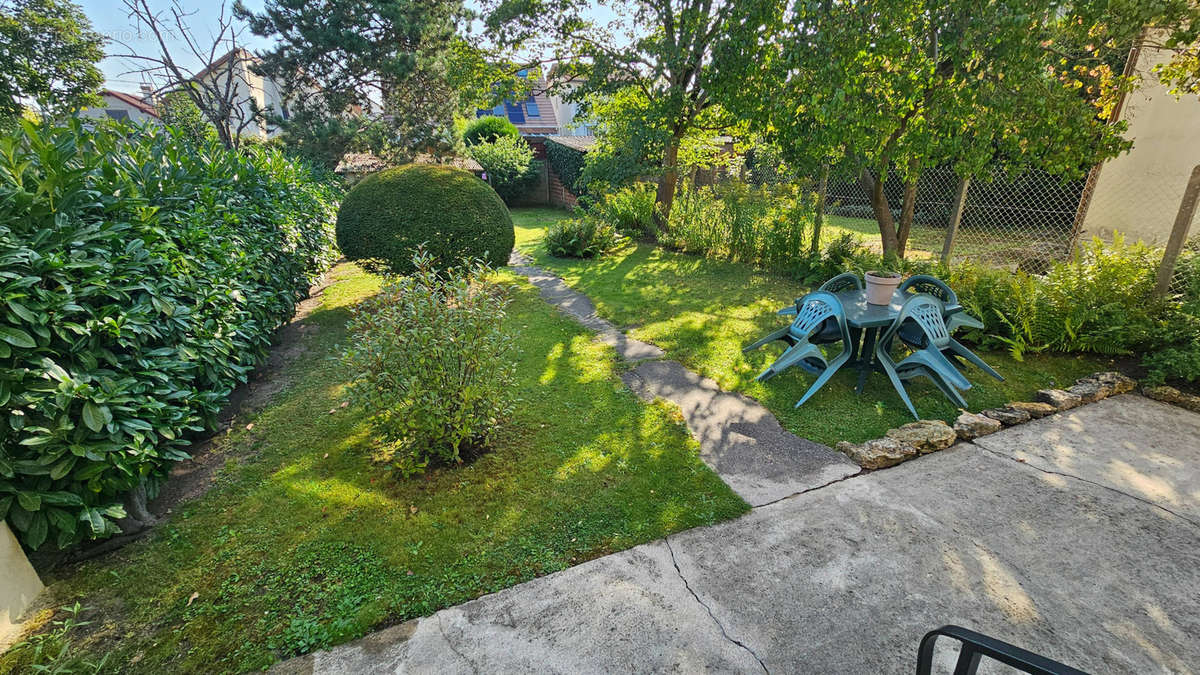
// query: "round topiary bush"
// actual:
[[488, 130], [455, 215]]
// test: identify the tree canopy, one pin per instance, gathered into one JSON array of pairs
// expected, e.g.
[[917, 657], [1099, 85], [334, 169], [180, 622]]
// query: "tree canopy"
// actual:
[[661, 50], [906, 85], [48, 55], [403, 63]]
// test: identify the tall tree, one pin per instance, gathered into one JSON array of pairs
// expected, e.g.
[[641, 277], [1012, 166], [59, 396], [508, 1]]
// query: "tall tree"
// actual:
[[662, 48], [903, 85], [48, 56], [399, 62]]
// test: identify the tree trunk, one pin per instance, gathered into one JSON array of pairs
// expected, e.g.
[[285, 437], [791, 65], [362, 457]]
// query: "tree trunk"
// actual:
[[907, 211], [883, 214], [819, 217], [665, 196]]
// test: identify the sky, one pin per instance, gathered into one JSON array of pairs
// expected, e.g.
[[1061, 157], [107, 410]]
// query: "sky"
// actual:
[[111, 19]]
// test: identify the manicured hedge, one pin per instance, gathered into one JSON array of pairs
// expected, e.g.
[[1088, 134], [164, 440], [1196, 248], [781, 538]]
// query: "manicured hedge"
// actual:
[[141, 279], [452, 213]]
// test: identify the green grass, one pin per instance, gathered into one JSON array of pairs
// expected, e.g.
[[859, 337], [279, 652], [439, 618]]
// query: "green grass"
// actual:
[[703, 311], [304, 542], [925, 242]]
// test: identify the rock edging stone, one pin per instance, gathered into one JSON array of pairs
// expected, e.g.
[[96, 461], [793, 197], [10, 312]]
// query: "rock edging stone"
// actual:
[[926, 436]]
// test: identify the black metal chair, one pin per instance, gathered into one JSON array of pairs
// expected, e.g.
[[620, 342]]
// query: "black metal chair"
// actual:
[[977, 645]]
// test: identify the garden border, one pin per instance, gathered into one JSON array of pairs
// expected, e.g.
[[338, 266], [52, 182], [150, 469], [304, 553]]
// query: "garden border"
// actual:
[[925, 436]]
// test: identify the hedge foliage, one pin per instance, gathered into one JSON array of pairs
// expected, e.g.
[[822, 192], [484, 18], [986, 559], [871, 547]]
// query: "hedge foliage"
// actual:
[[141, 278], [567, 163], [489, 130], [455, 215], [510, 167]]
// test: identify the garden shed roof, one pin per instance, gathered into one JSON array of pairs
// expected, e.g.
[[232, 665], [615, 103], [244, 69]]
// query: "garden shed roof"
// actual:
[[580, 143]]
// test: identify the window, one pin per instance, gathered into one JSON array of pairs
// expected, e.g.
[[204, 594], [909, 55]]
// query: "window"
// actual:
[[117, 114]]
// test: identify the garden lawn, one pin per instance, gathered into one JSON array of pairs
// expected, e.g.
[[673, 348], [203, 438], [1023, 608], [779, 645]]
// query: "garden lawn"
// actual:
[[303, 542], [702, 312]]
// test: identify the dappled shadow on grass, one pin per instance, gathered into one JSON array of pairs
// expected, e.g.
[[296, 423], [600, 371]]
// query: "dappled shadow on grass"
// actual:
[[702, 312], [581, 469]]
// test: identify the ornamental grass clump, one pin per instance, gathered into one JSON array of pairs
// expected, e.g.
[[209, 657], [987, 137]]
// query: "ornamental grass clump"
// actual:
[[432, 364]]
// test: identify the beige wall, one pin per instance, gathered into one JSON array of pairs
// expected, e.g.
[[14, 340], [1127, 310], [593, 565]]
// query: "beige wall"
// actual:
[[20, 584], [1138, 193]]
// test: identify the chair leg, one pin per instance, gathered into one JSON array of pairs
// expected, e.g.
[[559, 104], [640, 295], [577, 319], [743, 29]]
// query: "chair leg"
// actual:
[[830, 369], [777, 335], [967, 354], [886, 362], [947, 389], [789, 358]]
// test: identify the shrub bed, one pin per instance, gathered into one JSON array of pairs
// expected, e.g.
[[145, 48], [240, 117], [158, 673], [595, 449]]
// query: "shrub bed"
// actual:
[[143, 276]]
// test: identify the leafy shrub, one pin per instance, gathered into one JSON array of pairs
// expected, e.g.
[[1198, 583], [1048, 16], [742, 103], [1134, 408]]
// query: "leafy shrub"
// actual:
[[510, 166], [489, 130], [630, 210], [454, 214], [767, 226], [431, 363], [567, 163], [143, 275], [582, 238]]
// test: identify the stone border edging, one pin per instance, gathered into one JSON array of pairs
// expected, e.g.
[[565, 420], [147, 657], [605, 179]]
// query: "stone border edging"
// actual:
[[925, 436]]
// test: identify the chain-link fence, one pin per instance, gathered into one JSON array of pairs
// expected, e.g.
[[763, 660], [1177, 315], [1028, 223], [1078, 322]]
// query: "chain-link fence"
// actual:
[[1024, 221]]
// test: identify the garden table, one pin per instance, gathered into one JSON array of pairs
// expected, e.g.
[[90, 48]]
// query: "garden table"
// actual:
[[865, 321]]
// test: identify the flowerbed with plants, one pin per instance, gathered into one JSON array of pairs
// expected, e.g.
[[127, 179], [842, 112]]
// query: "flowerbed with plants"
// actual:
[[143, 276]]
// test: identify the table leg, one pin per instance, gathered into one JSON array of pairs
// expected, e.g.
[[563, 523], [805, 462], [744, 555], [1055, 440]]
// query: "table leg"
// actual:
[[866, 361]]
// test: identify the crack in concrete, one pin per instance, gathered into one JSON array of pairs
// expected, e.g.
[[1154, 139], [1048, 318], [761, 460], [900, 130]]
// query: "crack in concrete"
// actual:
[[811, 489], [708, 609], [1110, 488], [442, 630]]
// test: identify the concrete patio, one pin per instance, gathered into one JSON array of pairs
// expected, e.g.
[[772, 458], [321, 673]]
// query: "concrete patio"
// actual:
[[1076, 536]]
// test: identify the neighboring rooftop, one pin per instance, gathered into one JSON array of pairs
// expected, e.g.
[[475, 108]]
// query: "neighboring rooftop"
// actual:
[[580, 143], [533, 116], [131, 99]]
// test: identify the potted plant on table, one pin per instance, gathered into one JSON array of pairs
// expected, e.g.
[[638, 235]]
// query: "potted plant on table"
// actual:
[[881, 285]]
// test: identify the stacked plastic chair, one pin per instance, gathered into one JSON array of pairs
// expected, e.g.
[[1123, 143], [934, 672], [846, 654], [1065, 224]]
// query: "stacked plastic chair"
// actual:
[[815, 312], [931, 285], [921, 326]]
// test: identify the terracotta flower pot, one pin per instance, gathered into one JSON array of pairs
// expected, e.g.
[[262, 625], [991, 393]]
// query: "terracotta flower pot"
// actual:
[[881, 286]]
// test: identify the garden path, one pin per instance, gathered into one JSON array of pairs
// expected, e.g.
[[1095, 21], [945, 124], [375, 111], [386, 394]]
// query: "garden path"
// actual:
[[1075, 535], [739, 438]]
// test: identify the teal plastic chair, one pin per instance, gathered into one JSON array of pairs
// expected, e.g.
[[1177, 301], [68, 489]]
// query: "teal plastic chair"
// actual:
[[931, 285], [813, 312], [843, 282], [925, 312]]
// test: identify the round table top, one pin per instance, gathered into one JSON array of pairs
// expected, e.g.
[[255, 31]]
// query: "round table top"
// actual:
[[861, 314]]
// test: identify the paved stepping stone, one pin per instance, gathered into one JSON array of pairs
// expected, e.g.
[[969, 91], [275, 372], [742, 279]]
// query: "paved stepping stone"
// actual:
[[739, 438]]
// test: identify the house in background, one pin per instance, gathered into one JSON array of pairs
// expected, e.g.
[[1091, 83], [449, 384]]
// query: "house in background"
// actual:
[[533, 116], [251, 91], [123, 107], [567, 112]]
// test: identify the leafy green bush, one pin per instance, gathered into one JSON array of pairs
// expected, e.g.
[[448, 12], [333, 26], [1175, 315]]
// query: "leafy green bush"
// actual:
[[489, 130], [142, 275], [432, 364], [510, 166], [567, 163], [582, 238], [630, 210], [768, 226], [454, 214]]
